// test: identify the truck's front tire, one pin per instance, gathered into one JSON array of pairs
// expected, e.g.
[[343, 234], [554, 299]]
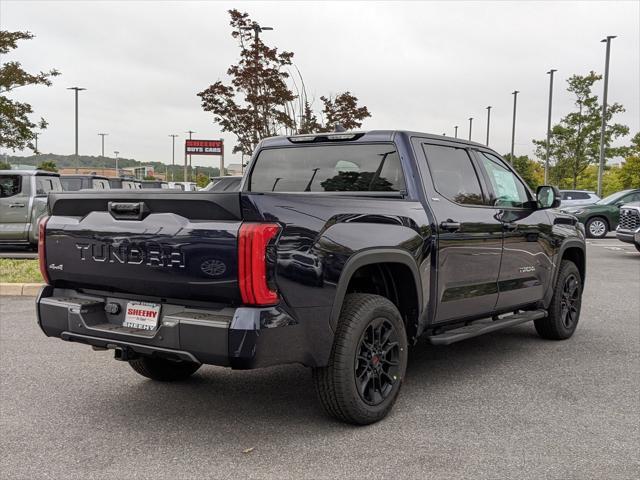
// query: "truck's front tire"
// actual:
[[564, 310], [367, 363], [162, 369]]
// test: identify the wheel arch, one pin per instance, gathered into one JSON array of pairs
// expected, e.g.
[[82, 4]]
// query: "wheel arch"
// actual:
[[575, 251], [394, 263]]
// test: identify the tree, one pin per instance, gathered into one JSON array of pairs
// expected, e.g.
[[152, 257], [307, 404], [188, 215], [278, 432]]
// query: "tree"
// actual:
[[259, 102], [4, 166], [575, 141], [48, 165], [343, 109], [17, 131], [630, 170], [531, 171]]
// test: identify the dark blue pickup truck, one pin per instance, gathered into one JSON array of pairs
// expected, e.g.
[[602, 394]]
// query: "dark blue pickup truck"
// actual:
[[340, 250]]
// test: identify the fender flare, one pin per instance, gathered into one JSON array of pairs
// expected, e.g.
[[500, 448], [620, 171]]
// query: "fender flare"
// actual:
[[370, 257], [569, 243]]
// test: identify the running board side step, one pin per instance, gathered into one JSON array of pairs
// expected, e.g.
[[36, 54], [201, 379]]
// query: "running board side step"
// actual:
[[481, 327]]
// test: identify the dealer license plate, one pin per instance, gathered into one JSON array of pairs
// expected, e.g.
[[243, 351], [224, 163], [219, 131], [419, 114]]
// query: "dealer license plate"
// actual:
[[143, 316]]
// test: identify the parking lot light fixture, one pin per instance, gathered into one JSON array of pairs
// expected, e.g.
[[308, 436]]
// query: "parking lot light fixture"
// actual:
[[77, 89], [513, 125], [603, 125], [546, 158], [173, 152], [470, 126], [488, 122]]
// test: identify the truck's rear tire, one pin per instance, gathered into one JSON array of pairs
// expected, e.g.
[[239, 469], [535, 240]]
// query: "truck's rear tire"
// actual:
[[162, 369], [564, 310], [368, 361]]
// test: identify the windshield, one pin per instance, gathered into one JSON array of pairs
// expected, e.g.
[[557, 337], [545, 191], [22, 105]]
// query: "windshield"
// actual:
[[612, 198], [328, 168]]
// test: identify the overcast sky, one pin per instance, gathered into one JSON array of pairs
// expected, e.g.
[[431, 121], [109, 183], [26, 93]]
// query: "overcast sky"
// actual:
[[423, 66]]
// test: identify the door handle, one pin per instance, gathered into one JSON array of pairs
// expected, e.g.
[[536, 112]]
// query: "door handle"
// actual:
[[450, 226], [16, 205]]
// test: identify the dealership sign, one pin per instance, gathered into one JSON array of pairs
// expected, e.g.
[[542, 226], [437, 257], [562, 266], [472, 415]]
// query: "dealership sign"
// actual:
[[203, 147]]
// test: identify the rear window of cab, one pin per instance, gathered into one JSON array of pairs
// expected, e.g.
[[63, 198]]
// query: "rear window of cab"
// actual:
[[328, 168]]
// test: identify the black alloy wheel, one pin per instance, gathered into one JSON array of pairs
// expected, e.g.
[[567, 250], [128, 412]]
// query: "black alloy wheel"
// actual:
[[377, 365]]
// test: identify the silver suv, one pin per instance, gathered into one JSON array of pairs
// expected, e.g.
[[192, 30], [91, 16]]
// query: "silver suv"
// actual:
[[577, 197]]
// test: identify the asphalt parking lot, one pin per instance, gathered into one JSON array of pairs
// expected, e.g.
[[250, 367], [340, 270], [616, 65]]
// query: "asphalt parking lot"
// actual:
[[505, 405]]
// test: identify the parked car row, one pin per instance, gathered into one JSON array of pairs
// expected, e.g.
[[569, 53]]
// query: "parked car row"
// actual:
[[23, 196], [603, 216]]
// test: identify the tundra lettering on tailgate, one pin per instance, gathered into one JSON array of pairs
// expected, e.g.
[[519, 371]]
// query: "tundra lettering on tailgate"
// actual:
[[152, 254]]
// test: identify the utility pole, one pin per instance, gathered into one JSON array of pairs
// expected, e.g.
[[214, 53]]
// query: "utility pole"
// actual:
[[488, 122], [116, 152], [77, 89], [604, 110], [513, 126], [546, 158], [173, 153], [456, 130], [470, 125], [222, 157], [185, 157], [257, 29], [103, 135], [36, 135]]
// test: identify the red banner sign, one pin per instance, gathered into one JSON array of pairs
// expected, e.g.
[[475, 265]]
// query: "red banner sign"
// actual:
[[203, 147]]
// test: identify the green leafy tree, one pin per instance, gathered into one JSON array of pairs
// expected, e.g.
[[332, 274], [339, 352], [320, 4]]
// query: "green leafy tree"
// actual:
[[202, 180], [4, 166], [530, 170], [630, 170], [17, 130], [48, 165], [259, 101], [575, 141]]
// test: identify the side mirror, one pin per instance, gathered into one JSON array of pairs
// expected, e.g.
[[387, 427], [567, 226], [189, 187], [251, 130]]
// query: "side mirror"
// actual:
[[619, 204], [547, 197]]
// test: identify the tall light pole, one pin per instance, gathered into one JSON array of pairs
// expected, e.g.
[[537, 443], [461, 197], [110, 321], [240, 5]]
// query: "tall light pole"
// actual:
[[103, 135], [513, 126], [173, 154], [488, 122], [185, 157], [116, 152], [604, 110], [546, 158], [456, 131], [36, 137], [470, 125], [77, 89]]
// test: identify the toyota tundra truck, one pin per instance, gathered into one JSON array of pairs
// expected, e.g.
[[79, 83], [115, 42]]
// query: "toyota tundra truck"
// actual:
[[339, 252]]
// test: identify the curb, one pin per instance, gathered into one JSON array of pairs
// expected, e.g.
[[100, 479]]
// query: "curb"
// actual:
[[20, 289]]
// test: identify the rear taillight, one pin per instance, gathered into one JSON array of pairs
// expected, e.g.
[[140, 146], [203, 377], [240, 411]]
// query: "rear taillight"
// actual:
[[253, 242], [42, 254]]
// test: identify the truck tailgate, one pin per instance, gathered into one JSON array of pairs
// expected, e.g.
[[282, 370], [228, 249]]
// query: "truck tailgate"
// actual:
[[160, 244]]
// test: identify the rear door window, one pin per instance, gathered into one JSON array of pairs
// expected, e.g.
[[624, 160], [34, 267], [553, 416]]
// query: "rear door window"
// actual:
[[453, 173], [71, 184], [10, 185], [44, 185], [100, 184], [328, 168]]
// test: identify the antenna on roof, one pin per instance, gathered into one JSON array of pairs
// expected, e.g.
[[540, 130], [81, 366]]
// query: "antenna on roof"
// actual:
[[339, 128]]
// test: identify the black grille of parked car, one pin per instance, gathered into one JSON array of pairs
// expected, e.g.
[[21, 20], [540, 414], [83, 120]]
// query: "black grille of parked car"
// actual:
[[629, 219]]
